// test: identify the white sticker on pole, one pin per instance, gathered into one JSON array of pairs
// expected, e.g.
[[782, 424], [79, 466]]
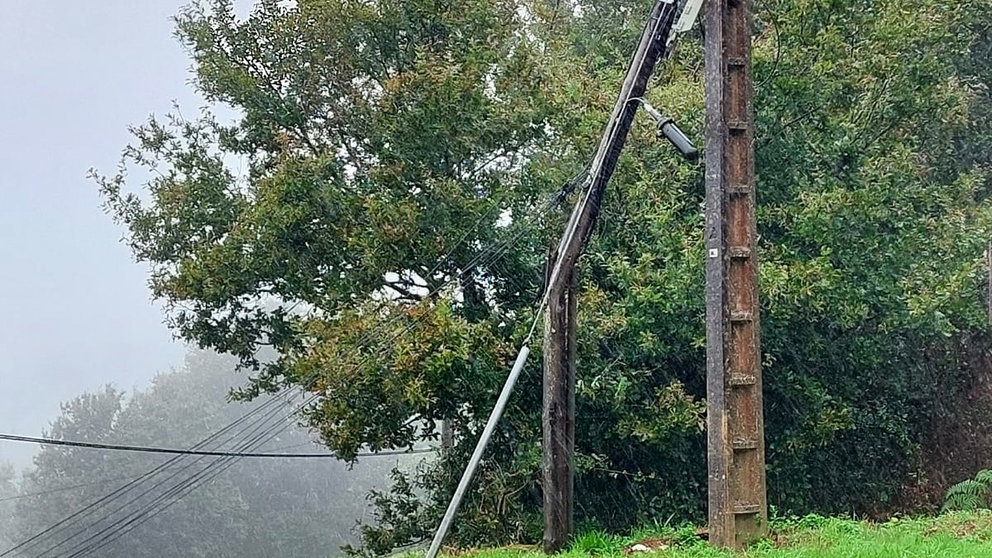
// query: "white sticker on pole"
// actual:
[[689, 14]]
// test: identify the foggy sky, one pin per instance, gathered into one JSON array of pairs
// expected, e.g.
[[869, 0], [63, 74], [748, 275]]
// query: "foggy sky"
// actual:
[[75, 312]]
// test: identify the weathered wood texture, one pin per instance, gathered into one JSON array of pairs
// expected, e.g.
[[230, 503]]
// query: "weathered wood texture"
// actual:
[[735, 435], [559, 416], [447, 443], [649, 50], [559, 353]]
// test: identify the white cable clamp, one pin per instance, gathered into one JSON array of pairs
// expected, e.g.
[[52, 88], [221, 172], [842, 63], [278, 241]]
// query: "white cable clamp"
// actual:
[[689, 14]]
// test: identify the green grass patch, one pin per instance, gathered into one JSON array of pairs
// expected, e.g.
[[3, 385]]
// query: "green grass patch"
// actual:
[[961, 534]]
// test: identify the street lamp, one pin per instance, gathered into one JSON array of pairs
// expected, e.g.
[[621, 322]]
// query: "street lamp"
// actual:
[[668, 128]]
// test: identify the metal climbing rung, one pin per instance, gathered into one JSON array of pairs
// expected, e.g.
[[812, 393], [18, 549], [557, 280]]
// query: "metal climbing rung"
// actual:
[[740, 252], [742, 380], [742, 508], [740, 316], [744, 444]]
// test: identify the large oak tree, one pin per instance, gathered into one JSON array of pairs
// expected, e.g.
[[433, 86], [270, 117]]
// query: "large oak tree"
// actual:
[[381, 150]]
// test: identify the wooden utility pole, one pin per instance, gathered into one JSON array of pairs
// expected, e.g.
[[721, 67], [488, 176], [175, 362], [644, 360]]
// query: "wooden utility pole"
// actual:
[[735, 425], [559, 350], [561, 295], [559, 414], [447, 440]]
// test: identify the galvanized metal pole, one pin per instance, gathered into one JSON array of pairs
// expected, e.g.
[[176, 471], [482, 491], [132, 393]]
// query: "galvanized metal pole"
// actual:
[[735, 423], [480, 448]]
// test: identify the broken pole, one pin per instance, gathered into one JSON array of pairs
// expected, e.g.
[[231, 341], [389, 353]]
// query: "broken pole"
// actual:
[[559, 373]]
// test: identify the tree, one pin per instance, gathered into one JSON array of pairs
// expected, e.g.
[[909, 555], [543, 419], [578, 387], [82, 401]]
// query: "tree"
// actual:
[[90, 417], [257, 508], [8, 490], [388, 146]]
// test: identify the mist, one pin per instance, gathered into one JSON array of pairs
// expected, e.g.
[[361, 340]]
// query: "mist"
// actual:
[[77, 312], [141, 504], [84, 353]]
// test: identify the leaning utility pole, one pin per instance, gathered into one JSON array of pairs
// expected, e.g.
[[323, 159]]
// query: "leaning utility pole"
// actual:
[[735, 425], [561, 291]]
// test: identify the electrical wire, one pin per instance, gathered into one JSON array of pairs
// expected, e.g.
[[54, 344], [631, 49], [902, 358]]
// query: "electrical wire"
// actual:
[[61, 489], [119, 492], [176, 451], [106, 500], [95, 542], [480, 259], [77, 517], [176, 492]]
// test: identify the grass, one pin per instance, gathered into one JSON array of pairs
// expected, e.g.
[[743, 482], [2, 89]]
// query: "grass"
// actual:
[[965, 535]]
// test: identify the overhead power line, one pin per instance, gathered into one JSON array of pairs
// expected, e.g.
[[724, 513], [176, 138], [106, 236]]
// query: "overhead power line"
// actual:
[[221, 437], [112, 531], [62, 489], [130, 521], [176, 451]]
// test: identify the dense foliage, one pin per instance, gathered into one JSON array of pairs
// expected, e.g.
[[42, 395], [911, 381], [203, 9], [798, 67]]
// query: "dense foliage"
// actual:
[[305, 508], [384, 147], [971, 494]]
